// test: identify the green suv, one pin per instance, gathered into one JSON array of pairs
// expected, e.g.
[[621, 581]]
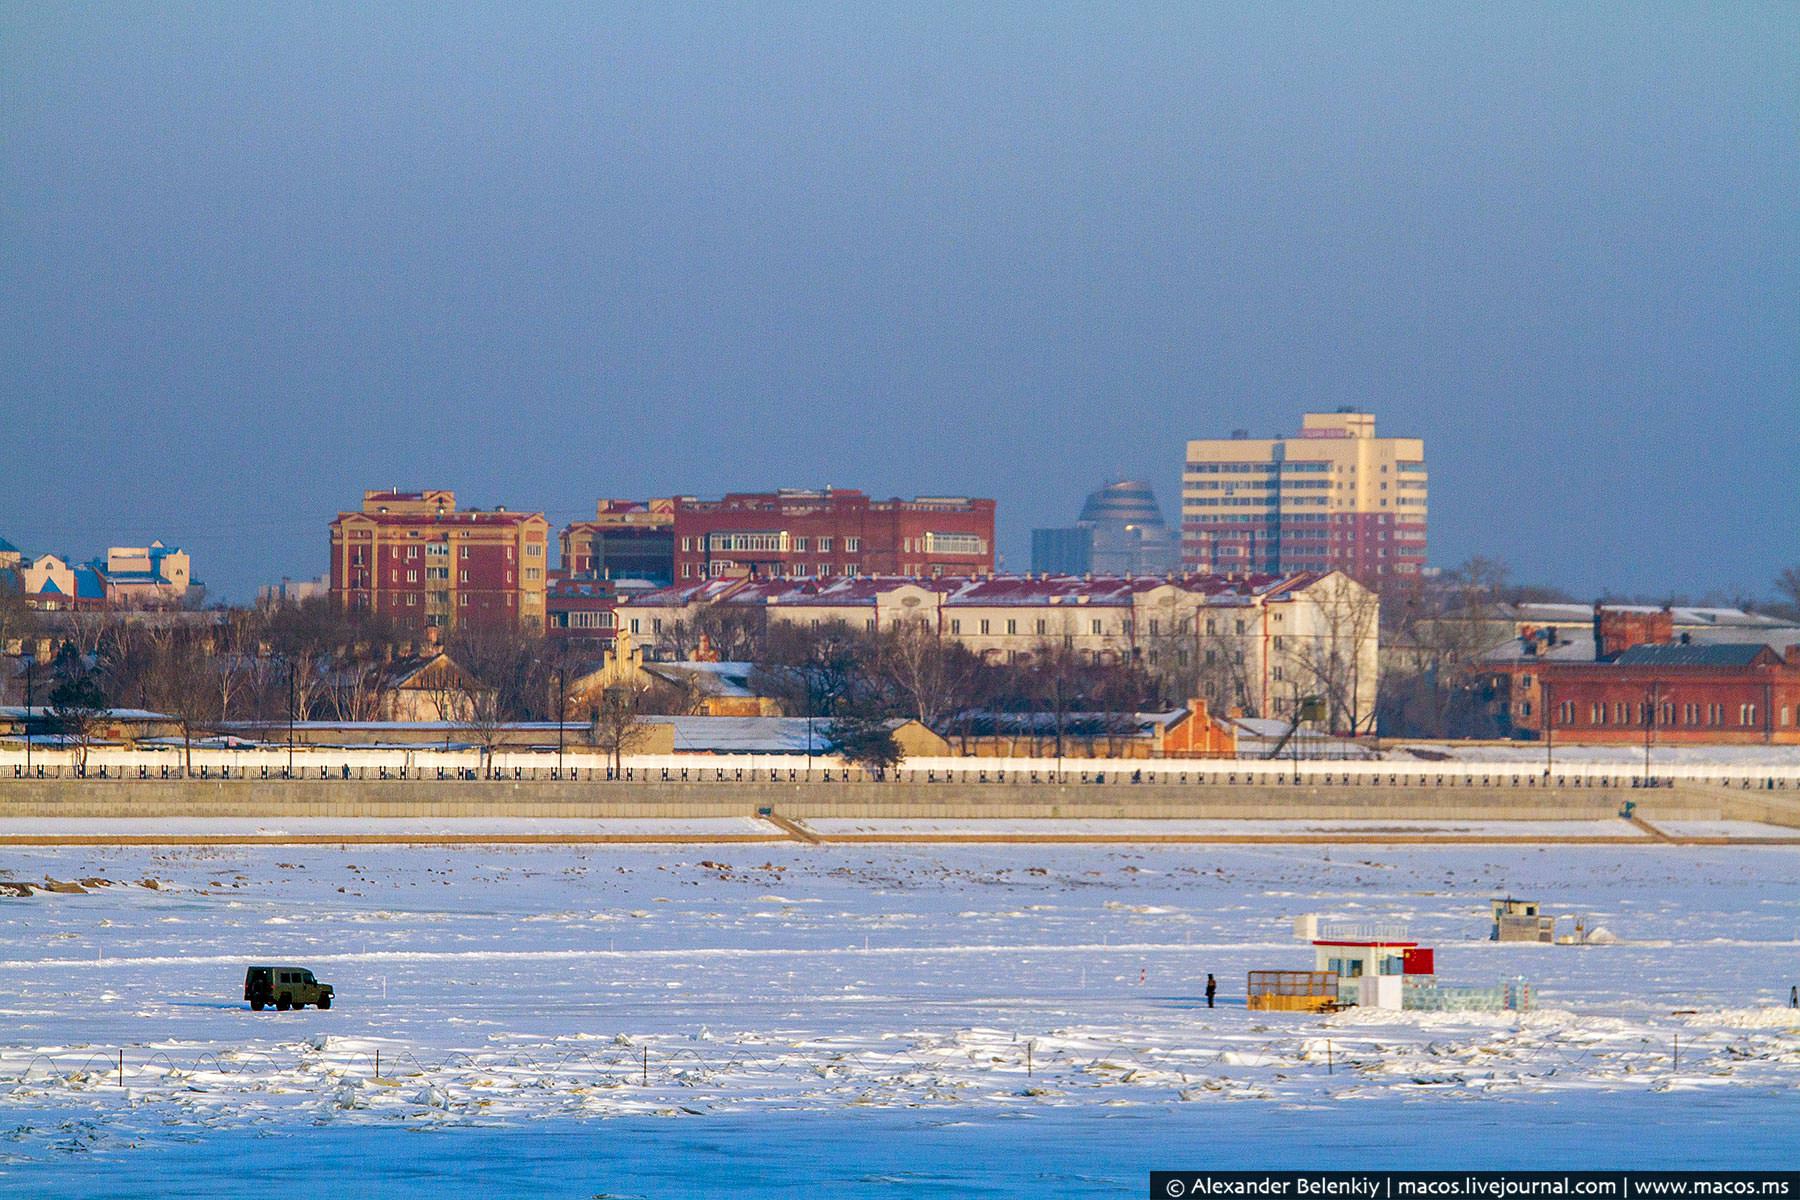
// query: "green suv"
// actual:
[[285, 988]]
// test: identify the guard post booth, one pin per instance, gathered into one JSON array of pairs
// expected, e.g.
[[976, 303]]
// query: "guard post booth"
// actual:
[[1520, 921], [1371, 959]]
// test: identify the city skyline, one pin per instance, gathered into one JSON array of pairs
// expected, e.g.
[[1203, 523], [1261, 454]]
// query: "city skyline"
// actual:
[[256, 265]]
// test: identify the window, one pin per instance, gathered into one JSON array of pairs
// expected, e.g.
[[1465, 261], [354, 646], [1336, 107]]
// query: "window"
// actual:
[[800, 545], [1241, 628], [634, 626], [462, 551], [687, 544], [1278, 677], [534, 572], [685, 568], [1043, 627], [656, 625], [824, 545], [769, 541], [1095, 626], [462, 577], [1212, 627], [463, 599], [955, 627], [1012, 626], [412, 577], [984, 626], [1746, 714], [852, 545], [412, 599], [954, 543], [534, 550]]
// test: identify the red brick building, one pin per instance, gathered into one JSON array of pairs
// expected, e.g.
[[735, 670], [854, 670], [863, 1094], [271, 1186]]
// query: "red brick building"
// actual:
[[413, 556], [792, 534], [1675, 693], [580, 611]]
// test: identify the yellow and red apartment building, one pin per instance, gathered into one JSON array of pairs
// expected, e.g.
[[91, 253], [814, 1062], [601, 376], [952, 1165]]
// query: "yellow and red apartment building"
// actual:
[[837, 532], [627, 539], [415, 557], [1336, 498]]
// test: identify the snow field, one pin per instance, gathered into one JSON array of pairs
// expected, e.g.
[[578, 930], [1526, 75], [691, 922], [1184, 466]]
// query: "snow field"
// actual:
[[507, 984]]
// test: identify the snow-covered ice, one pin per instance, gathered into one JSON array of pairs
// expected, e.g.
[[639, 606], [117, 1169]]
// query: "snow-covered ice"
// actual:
[[546, 987]]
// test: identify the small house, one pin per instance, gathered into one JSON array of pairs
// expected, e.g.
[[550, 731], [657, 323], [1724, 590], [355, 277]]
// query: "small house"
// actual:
[[1520, 921], [1371, 959]]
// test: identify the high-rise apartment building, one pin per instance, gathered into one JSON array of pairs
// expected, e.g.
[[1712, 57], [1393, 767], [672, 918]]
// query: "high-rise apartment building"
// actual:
[[627, 539], [796, 534], [414, 557], [1335, 498]]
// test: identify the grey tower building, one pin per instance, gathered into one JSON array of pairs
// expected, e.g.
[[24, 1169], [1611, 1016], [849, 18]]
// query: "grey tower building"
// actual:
[[1121, 531]]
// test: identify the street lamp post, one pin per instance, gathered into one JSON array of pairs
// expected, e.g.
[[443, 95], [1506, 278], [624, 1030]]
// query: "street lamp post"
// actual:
[[562, 713], [30, 665], [1649, 728], [1549, 728], [293, 702]]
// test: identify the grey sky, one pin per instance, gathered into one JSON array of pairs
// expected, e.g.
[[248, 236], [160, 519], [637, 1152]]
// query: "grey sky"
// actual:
[[255, 260]]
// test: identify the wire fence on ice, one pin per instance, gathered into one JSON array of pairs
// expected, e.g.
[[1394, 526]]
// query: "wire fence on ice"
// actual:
[[955, 1060]]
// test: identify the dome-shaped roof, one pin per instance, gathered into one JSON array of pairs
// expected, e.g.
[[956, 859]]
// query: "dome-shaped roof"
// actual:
[[1129, 500]]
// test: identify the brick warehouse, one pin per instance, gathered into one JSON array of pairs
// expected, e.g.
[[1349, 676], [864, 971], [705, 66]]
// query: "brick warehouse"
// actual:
[[795, 534], [1644, 686], [414, 557]]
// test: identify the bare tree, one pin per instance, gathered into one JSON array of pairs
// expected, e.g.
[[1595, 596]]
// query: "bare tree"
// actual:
[[1334, 657], [924, 671], [618, 725], [481, 715], [176, 680], [18, 622], [1787, 584]]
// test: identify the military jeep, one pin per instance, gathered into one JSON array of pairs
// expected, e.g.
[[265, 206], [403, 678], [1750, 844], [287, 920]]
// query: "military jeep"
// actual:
[[285, 988]]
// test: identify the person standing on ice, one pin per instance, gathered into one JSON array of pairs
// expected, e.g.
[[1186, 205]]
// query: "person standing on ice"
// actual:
[[1794, 996], [1212, 989]]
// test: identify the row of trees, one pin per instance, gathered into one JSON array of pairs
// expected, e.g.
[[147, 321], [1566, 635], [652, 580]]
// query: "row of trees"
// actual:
[[315, 660]]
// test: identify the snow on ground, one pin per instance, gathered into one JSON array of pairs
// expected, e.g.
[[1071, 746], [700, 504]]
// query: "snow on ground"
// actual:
[[533, 985], [684, 828], [1571, 755], [1726, 829], [1151, 829]]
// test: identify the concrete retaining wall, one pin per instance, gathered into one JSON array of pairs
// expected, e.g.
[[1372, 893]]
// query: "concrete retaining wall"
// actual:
[[547, 798]]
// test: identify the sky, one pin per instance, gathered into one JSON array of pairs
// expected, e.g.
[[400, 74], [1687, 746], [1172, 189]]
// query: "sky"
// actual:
[[254, 259]]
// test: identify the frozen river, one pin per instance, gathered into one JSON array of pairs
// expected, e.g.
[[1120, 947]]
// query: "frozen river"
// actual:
[[896, 1020]]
